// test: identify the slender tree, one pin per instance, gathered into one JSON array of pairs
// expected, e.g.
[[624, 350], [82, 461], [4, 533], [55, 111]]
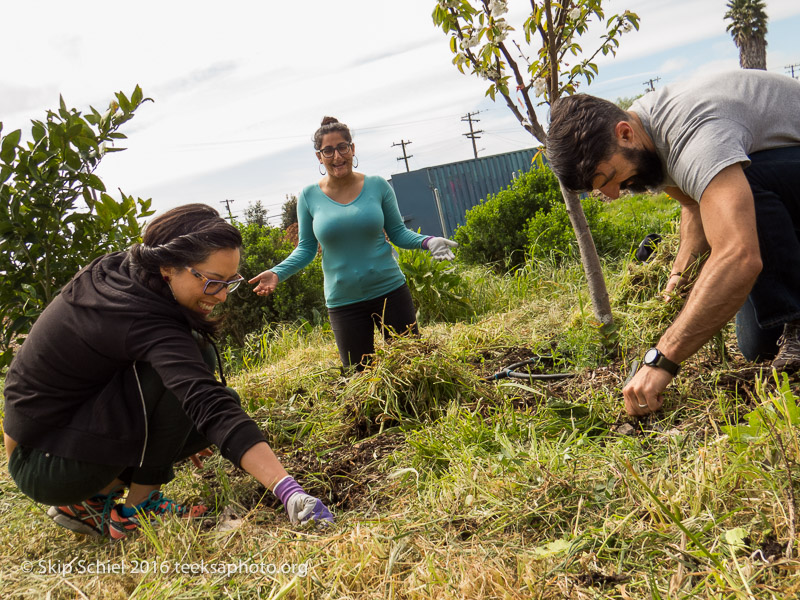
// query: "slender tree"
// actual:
[[748, 28], [480, 38], [255, 213]]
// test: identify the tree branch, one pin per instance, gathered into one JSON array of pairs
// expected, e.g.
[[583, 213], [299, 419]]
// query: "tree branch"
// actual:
[[550, 45]]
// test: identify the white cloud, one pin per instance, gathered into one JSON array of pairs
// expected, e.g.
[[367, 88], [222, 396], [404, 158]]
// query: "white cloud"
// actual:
[[240, 87]]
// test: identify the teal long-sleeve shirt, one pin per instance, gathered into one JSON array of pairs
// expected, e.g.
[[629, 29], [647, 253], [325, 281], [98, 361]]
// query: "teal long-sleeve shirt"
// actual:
[[357, 261]]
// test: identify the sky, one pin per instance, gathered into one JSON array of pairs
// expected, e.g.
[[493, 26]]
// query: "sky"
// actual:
[[239, 87]]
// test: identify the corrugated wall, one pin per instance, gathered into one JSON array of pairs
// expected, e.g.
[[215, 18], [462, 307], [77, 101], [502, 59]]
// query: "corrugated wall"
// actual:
[[460, 186]]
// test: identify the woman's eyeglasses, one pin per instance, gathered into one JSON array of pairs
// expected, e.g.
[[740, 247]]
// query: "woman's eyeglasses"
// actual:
[[215, 286], [343, 149]]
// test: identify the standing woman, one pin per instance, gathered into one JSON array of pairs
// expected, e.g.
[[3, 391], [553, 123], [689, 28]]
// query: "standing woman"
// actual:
[[115, 383], [347, 214]]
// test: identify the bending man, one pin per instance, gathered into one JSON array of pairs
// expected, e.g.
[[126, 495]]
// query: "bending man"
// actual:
[[728, 149]]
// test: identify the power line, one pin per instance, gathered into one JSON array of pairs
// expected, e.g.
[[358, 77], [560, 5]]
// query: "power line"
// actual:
[[404, 157], [473, 135], [791, 68]]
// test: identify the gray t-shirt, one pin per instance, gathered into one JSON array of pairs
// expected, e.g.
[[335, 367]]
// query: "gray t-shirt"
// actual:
[[702, 126]]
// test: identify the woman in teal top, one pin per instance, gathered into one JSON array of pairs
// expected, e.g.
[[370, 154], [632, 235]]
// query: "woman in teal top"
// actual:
[[347, 213]]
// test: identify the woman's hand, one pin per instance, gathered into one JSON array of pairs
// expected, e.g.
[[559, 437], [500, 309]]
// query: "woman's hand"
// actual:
[[267, 282], [440, 248], [195, 458]]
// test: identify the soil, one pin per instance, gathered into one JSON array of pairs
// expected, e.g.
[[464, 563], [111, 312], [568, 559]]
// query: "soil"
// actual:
[[344, 478]]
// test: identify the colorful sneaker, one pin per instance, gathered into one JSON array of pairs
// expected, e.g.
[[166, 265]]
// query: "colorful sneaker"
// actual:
[[788, 358], [158, 505], [118, 526], [90, 517]]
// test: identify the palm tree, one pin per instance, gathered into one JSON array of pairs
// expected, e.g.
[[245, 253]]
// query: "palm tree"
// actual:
[[748, 27]]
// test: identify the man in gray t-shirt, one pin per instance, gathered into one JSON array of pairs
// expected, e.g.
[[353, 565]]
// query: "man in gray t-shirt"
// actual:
[[728, 149]]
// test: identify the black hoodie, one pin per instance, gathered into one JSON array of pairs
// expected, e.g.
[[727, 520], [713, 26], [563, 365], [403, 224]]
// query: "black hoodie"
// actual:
[[73, 390]]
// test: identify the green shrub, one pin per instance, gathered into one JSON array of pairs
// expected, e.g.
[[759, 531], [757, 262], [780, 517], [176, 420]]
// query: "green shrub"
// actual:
[[438, 290], [55, 213], [617, 227], [495, 231], [301, 297]]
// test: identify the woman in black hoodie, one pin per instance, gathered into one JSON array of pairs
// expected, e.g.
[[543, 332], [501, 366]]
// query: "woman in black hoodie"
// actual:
[[115, 383]]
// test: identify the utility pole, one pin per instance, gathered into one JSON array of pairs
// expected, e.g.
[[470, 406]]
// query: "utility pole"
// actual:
[[649, 85], [227, 204], [404, 157], [473, 135], [791, 68]]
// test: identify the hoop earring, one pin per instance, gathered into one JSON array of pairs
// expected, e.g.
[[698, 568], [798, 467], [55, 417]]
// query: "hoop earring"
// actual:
[[322, 170], [355, 161]]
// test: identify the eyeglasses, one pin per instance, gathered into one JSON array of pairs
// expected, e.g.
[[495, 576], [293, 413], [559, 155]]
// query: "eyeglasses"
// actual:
[[343, 149], [215, 286]]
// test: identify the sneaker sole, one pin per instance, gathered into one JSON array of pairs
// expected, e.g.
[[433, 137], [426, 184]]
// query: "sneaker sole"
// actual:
[[71, 523]]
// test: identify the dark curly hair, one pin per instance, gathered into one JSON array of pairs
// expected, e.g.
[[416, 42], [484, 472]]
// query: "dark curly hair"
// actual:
[[185, 235], [329, 125], [581, 136]]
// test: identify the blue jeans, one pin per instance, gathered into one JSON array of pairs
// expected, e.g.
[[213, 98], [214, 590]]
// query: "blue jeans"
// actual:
[[774, 177]]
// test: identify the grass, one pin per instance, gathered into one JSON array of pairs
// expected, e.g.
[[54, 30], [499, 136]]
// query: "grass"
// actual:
[[447, 486]]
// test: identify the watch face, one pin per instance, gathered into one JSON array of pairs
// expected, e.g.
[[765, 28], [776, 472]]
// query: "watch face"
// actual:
[[650, 356]]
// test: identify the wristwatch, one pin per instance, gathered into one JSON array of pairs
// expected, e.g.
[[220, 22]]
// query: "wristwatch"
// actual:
[[654, 358]]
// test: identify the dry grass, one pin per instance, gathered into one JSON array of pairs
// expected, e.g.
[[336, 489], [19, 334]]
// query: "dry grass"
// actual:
[[446, 486]]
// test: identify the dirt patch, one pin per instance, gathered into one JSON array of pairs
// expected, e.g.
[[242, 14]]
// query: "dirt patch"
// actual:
[[591, 578], [344, 478]]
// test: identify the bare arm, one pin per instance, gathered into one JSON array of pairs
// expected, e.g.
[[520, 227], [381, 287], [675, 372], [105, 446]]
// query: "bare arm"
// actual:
[[10, 444], [693, 238], [728, 219], [260, 461]]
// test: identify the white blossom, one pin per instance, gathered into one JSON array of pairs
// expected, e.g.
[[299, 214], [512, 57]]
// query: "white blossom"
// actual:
[[460, 59], [539, 86], [575, 13], [626, 26], [470, 42], [498, 8]]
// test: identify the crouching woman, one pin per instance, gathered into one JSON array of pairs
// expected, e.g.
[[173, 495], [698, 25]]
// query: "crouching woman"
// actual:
[[116, 382]]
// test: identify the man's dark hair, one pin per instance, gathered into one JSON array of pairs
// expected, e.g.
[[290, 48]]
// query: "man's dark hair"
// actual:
[[581, 135]]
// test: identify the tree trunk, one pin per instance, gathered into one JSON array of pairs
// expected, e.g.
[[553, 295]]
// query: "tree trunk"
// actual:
[[589, 258], [753, 53]]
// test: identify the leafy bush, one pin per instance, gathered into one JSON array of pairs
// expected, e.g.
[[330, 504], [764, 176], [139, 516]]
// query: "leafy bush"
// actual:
[[438, 291], [55, 214], [617, 227], [301, 297], [495, 231]]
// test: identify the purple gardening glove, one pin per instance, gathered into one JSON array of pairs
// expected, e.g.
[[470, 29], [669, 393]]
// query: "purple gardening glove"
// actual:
[[439, 247], [300, 507]]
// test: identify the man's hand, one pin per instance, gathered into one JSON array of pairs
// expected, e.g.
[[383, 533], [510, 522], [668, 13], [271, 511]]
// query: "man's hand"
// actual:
[[643, 393], [267, 282]]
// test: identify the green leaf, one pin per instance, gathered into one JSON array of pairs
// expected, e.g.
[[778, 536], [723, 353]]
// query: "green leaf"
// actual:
[[8, 148], [551, 549], [136, 96], [94, 182], [736, 537], [124, 104]]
